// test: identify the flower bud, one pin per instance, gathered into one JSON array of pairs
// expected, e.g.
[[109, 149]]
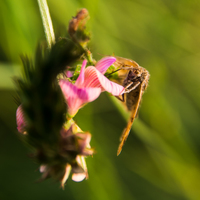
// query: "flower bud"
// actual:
[[76, 27]]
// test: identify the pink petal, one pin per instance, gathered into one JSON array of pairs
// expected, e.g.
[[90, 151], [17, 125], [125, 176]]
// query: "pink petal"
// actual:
[[66, 175], [65, 133], [84, 144], [77, 97], [69, 74], [70, 93], [43, 168], [80, 176], [77, 177], [20, 119], [103, 64], [87, 152], [81, 161], [84, 138], [80, 79], [93, 78]]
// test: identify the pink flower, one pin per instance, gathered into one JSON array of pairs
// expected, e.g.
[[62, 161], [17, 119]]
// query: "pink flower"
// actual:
[[79, 171], [71, 143], [90, 83], [82, 146], [74, 146]]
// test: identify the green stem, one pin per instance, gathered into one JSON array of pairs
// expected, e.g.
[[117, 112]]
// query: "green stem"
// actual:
[[89, 57], [47, 23]]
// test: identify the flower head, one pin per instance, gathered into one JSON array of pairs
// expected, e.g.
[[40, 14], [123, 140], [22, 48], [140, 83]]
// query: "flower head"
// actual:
[[88, 86], [69, 156], [73, 147], [80, 143]]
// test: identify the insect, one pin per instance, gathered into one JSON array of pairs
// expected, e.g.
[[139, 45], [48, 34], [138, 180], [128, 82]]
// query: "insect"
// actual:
[[134, 78]]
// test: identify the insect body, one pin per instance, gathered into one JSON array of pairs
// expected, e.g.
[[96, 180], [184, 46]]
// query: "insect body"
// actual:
[[134, 78]]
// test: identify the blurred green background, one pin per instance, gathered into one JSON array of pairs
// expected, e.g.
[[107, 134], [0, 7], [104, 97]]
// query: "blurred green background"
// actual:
[[161, 158]]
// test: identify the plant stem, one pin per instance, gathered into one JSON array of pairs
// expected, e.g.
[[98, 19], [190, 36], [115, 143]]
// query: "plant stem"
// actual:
[[47, 23]]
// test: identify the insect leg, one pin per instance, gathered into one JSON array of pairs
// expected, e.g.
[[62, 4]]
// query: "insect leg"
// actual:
[[127, 68], [107, 75], [132, 88]]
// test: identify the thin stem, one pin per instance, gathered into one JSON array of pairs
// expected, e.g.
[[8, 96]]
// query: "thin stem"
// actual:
[[88, 55], [47, 23]]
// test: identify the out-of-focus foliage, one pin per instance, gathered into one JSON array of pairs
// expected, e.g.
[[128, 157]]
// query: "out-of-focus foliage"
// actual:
[[161, 158]]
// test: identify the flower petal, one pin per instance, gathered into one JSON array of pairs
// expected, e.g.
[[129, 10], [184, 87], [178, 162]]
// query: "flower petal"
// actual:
[[77, 177], [43, 168], [20, 119], [80, 79], [84, 139], [77, 97], [93, 78], [81, 161], [66, 175], [71, 96], [103, 64], [84, 144], [69, 74], [80, 176]]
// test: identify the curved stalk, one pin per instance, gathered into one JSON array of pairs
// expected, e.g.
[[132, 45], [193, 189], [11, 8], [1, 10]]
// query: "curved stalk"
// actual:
[[47, 23]]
